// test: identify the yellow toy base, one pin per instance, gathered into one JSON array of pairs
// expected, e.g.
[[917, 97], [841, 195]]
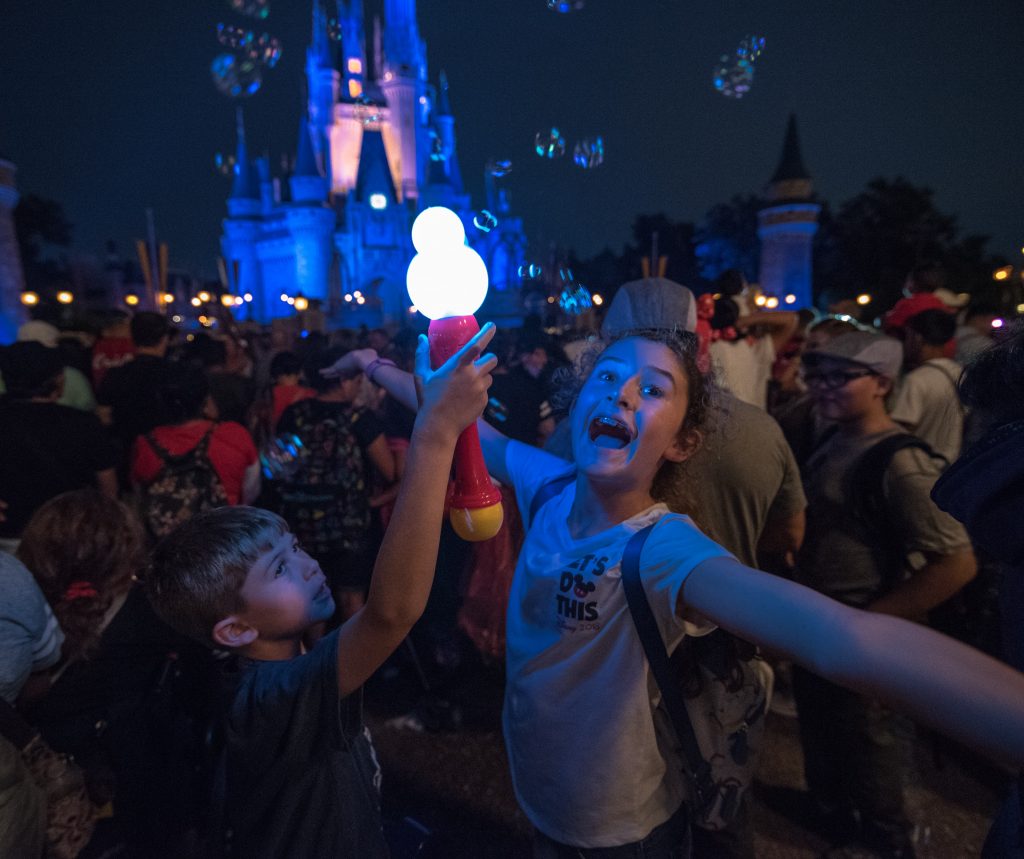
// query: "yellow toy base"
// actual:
[[477, 525]]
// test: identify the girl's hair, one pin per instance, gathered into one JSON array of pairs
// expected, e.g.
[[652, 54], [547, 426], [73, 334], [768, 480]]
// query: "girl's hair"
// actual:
[[993, 382], [182, 392], [83, 549], [285, 364], [670, 483]]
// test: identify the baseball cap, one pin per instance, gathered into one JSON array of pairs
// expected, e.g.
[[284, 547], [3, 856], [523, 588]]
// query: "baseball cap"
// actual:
[[877, 352], [38, 331], [653, 302]]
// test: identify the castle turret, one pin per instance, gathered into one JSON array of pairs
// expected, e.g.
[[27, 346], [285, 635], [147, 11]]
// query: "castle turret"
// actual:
[[444, 124], [12, 278], [353, 48], [307, 182], [242, 226], [787, 226], [324, 82], [404, 84], [310, 222]]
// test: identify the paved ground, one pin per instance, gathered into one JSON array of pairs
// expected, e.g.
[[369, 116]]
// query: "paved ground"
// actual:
[[456, 781]]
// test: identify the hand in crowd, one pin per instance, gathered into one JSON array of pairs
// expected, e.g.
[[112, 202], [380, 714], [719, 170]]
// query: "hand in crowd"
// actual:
[[455, 394], [350, 363]]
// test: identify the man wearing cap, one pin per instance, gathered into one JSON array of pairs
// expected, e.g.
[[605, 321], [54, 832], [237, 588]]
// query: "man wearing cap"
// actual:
[[77, 390], [851, 761], [47, 448]]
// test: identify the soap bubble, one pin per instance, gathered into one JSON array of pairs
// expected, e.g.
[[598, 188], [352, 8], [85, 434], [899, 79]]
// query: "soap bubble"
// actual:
[[235, 77], [280, 457], [485, 221], [733, 77], [549, 144], [750, 48], [334, 32], [575, 298], [589, 153], [530, 271], [224, 164], [252, 8], [565, 6], [366, 111], [265, 49], [499, 169], [233, 37], [438, 151]]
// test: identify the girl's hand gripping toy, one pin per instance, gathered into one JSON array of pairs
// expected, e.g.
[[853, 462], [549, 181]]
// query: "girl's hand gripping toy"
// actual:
[[447, 281]]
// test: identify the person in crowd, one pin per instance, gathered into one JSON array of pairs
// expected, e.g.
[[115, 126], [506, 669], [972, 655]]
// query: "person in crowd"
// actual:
[[283, 390], [77, 392], [47, 448], [918, 294], [184, 425], [857, 551], [111, 704], [743, 348], [785, 385], [128, 395], [519, 404], [113, 348], [974, 335], [326, 500], [300, 774], [231, 389], [638, 415], [926, 401], [984, 490], [30, 644]]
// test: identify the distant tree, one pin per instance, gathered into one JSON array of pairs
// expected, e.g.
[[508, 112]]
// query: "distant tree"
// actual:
[[727, 238], [41, 227], [877, 237]]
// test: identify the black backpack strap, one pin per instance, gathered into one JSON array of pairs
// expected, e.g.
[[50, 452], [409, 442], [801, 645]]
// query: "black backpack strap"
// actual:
[[166, 456], [697, 770], [546, 492]]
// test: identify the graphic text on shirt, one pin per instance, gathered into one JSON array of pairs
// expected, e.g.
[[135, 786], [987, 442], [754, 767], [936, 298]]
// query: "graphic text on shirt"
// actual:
[[574, 588]]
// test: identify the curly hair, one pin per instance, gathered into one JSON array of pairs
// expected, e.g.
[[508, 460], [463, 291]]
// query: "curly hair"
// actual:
[[83, 548], [671, 483]]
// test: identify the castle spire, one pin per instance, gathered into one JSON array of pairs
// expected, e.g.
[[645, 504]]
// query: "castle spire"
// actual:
[[444, 107], [792, 180], [353, 48], [305, 162], [319, 44], [245, 186]]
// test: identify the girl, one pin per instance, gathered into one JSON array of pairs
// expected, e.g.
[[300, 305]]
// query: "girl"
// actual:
[[593, 760]]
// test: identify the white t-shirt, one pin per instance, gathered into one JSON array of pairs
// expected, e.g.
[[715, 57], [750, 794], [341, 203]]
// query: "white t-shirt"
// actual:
[[744, 368], [927, 404], [593, 763]]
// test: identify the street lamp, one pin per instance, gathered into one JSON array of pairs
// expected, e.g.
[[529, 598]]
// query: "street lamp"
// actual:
[[29, 299], [131, 299], [65, 297]]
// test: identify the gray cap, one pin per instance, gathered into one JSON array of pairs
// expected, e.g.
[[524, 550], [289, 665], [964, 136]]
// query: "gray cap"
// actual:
[[653, 302], [877, 352]]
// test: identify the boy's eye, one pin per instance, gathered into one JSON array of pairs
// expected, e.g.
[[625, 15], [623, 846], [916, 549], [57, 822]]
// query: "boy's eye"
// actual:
[[296, 547], [279, 569]]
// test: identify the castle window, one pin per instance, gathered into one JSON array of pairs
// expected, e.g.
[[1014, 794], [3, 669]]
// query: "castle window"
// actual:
[[355, 66], [355, 89]]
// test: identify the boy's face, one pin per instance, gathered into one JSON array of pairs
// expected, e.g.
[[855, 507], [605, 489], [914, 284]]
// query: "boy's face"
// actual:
[[628, 415], [845, 391], [285, 592]]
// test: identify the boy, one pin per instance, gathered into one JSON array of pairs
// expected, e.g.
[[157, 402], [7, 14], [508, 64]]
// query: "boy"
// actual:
[[301, 778]]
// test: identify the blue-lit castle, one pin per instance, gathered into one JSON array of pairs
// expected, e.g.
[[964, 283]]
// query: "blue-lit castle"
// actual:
[[376, 145]]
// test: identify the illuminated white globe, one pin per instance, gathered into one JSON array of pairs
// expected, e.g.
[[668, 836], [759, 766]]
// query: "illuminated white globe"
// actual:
[[450, 280], [437, 227]]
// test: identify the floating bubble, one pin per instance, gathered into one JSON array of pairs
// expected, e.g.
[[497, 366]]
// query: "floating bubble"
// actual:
[[750, 48], [265, 49], [234, 37], [485, 221], [589, 153], [438, 151], [575, 298], [565, 6], [334, 32], [499, 169], [733, 77], [549, 144], [366, 111], [224, 164], [529, 271], [252, 8], [280, 457], [235, 77]]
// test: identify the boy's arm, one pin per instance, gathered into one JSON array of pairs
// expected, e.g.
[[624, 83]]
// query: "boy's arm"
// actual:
[[453, 397], [940, 578], [942, 683]]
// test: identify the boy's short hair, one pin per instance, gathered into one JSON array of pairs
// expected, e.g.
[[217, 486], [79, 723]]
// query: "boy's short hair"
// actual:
[[197, 572], [936, 327], [149, 328]]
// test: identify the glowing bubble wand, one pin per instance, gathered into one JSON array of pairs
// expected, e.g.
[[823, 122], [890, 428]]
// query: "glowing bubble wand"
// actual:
[[447, 283]]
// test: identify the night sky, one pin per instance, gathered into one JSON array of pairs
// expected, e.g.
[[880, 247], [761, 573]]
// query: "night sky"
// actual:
[[108, 107]]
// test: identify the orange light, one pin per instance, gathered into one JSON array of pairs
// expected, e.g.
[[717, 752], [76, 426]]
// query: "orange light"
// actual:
[[204, 296], [131, 299], [355, 66], [791, 299], [65, 297], [1002, 273], [195, 302], [167, 298], [598, 300], [29, 299], [771, 303], [355, 89], [760, 301], [863, 299], [301, 303], [227, 300]]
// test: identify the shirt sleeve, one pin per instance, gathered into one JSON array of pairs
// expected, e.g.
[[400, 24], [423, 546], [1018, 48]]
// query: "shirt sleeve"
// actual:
[[908, 402], [790, 499], [30, 638], [907, 488], [530, 468], [367, 426], [145, 462]]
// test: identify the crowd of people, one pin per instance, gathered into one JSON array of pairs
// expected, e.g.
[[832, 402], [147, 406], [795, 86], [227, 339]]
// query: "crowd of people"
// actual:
[[208, 544]]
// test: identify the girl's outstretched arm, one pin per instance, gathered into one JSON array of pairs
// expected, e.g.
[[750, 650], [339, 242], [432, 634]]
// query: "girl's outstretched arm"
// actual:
[[936, 680]]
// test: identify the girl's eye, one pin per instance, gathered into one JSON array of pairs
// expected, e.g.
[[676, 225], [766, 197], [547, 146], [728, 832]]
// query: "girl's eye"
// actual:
[[653, 391], [605, 375]]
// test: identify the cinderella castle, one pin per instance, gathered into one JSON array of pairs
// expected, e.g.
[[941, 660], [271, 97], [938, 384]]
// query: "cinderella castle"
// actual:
[[376, 145]]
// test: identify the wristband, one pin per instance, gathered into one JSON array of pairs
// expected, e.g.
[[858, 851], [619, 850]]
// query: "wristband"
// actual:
[[373, 366]]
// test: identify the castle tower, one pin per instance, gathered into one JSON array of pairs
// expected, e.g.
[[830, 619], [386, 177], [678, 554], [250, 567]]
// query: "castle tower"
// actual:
[[242, 228], [310, 222], [345, 134], [12, 278], [444, 124], [787, 226], [353, 48], [404, 84], [324, 82]]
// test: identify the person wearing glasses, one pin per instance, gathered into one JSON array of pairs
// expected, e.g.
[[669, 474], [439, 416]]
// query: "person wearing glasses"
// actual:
[[874, 540]]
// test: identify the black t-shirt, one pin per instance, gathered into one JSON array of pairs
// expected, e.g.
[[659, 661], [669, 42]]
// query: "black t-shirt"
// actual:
[[46, 449], [301, 774], [133, 393], [517, 404]]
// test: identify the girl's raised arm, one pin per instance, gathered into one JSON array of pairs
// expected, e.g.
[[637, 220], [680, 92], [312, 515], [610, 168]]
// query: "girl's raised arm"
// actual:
[[936, 680]]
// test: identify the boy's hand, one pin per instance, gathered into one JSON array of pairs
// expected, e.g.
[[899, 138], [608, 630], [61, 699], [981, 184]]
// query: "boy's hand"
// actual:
[[350, 364], [455, 394]]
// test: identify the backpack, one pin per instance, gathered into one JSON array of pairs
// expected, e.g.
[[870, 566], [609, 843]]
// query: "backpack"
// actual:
[[715, 689], [324, 498], [186, 484]]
